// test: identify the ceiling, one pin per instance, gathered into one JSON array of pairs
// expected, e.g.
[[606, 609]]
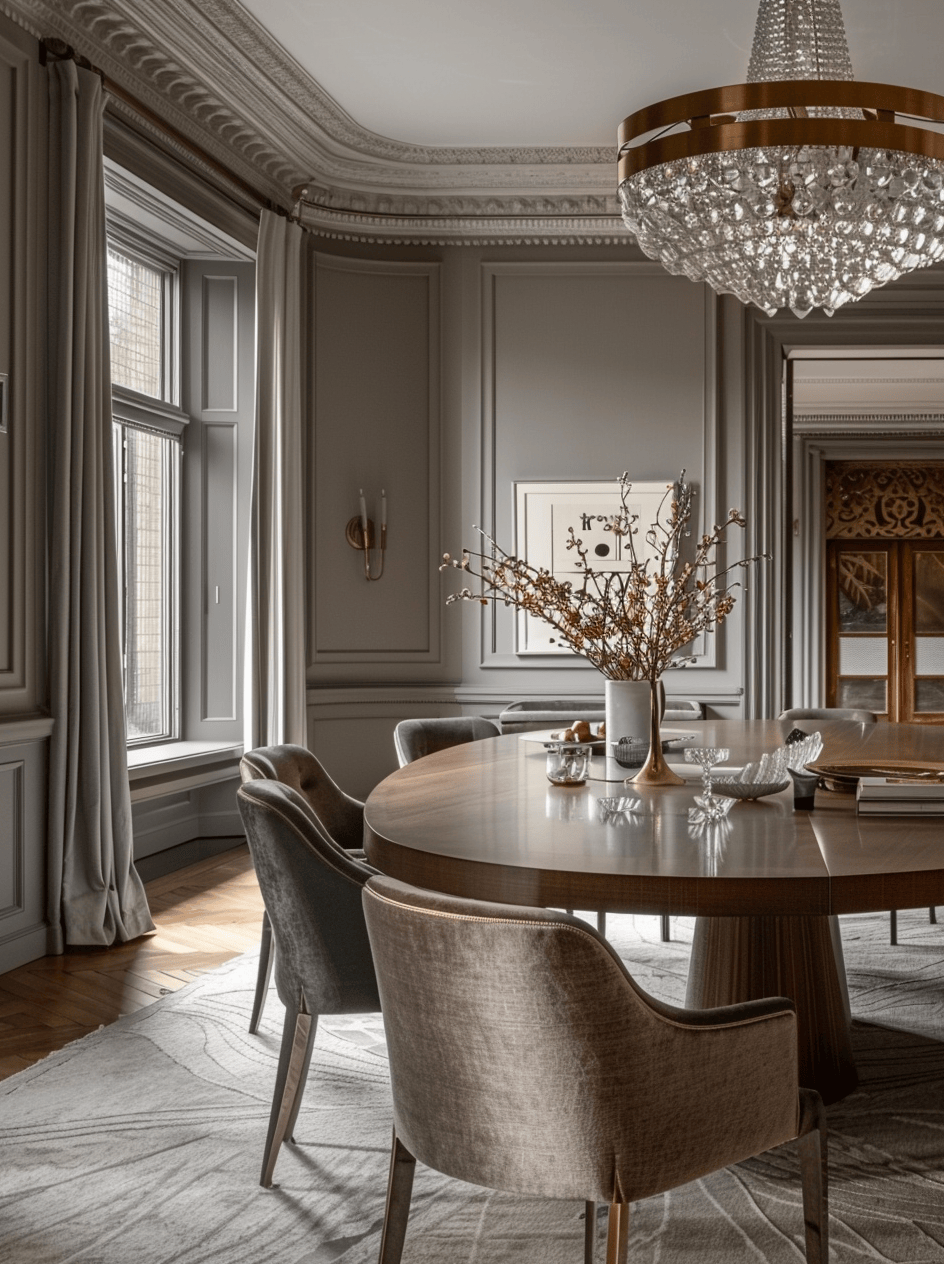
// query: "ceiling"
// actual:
[[557, 72], [434, 121]]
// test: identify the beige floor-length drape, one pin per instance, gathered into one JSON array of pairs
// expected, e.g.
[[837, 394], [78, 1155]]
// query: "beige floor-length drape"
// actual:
[[94, 893], [275, 651]]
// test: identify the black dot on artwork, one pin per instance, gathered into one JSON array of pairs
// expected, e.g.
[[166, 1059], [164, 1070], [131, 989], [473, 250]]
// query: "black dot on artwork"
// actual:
[[602, 550]]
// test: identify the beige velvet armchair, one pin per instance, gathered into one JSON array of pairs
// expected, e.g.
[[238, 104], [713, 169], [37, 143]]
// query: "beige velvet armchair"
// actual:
[[524, 1058]]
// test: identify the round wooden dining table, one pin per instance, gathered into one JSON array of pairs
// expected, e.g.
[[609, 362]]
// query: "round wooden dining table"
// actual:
[[481, 820]]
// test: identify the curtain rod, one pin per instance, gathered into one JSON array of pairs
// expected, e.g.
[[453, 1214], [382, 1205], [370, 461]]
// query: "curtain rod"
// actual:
[[53, 50]]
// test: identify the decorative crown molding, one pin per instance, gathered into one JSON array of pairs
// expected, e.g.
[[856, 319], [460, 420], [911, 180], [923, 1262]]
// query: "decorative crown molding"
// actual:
[[212, 72]]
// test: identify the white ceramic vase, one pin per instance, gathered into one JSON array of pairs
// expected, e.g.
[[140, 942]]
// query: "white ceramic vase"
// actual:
[[628, 709]]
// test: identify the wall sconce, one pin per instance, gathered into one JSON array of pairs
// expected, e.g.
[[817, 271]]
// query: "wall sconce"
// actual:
[[360, 534]]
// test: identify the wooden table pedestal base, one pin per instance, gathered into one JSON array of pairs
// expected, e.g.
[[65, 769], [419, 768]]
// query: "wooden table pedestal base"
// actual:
[[745, 958]]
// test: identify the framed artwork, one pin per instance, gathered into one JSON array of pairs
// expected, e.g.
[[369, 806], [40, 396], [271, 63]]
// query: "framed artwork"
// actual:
[[544, 512]]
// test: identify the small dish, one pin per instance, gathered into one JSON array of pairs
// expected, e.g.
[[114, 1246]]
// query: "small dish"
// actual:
[[619, 803]]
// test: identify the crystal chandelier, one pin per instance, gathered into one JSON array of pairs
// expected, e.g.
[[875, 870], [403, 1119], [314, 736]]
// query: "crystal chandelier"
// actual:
[[798, 189]]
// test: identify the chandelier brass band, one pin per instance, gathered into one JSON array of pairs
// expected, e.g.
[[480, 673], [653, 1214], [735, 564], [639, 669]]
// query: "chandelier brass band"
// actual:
[[781, 134], [782, 94]]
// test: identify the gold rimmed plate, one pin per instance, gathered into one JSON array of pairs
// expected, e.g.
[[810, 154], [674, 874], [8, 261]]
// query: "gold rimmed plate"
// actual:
[[842, 776]]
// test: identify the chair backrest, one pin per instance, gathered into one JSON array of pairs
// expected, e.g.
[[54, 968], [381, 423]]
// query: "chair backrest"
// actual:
[[339, 814], [312, 893], [523, 1057], [858, 714], [416, 738]]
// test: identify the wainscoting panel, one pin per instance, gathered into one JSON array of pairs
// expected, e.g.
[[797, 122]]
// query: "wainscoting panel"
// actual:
[[22, 851], [11, 813], [374, 424], [351, 730]]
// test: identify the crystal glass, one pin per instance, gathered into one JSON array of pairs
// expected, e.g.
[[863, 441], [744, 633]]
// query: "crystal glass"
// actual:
[[708, 807], [568, 763], [707, 757]]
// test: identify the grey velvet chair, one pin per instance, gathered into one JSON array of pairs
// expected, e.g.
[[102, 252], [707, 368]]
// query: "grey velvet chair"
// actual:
[[312, 891], [341, 817], [861, 717], [524, 1058], [415, 738]]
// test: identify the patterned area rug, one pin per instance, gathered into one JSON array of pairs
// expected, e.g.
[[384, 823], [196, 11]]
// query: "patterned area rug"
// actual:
[[142, 1144]]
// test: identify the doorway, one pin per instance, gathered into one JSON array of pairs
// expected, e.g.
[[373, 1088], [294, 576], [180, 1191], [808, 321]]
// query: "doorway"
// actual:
[[884, 532]]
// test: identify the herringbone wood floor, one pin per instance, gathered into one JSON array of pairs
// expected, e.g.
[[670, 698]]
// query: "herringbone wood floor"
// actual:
[[204, 915]]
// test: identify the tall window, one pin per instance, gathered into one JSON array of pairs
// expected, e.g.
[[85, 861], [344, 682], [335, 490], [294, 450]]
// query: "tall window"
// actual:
[[147, 462], [136, 298]]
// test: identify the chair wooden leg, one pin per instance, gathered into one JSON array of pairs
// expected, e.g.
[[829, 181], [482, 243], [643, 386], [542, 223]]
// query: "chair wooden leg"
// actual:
[[814, 1174], [932, 915], [617, 1234], [601, 923], [397, 1210], [893, 927], [263, 974], [589, 1232], [298, 1039], [666, 928]]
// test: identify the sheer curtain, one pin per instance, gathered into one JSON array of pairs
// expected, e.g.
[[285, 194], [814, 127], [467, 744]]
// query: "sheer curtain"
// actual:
[[275, 652], [95, 896]]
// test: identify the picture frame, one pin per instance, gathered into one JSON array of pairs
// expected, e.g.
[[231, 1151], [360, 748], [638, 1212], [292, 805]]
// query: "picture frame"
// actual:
[[544, 512]]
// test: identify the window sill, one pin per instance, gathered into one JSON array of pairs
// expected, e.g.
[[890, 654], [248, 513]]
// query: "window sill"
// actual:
[[158, 770]]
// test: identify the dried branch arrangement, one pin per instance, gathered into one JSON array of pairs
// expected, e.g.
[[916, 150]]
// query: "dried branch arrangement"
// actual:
[[630, 624]]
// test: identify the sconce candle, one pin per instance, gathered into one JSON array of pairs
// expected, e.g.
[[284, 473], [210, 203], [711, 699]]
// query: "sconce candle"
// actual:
[[359, 534]]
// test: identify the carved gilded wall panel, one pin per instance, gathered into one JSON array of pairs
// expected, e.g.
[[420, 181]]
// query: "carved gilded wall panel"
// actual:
[[875, 500]]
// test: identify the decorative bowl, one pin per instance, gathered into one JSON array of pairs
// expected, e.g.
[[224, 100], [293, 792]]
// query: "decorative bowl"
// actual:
[[842, 777], [749, 790]]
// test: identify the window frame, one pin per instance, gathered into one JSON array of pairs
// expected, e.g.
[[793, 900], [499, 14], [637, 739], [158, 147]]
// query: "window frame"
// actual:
[[124, 240], [161, 416]]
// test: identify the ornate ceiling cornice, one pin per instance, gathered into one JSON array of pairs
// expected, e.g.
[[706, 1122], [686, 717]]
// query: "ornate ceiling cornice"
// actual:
[[214, 74]]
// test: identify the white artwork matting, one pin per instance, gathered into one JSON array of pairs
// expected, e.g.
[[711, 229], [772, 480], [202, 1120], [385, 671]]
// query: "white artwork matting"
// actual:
[[544, 514]]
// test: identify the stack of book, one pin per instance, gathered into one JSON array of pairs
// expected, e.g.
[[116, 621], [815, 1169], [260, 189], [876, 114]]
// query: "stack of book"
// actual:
[[900, 796]]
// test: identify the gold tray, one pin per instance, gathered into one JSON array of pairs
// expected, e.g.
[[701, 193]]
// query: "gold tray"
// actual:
[[842, 776]]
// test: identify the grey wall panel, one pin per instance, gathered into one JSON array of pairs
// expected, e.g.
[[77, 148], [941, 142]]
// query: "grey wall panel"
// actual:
[[11, 857], [218, 324], [10, 607], [375, 411], [219, 566], [220, 343], [22, 285], [589, 369]]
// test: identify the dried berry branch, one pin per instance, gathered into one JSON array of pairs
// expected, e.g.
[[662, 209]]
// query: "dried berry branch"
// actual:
[[629, 624]]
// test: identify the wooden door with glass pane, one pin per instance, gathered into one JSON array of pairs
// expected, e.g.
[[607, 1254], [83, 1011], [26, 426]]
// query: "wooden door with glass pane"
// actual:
[[885, 628]]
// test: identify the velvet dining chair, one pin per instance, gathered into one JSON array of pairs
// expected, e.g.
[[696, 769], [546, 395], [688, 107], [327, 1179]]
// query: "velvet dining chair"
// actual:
[[524, 1058], [414, 739], [340, 816], [323, 965]]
